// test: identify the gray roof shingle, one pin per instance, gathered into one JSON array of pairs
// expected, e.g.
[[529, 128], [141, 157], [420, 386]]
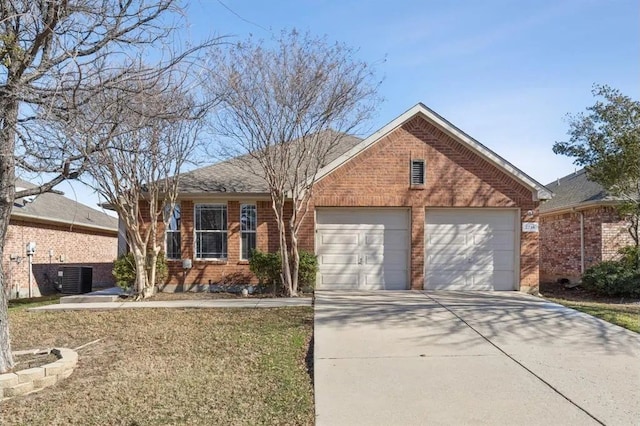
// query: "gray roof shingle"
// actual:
[[58, 208], [244, 174], [574, 189]]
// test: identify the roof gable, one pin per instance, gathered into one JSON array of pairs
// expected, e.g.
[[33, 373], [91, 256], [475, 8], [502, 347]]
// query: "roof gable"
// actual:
[[538, 190]]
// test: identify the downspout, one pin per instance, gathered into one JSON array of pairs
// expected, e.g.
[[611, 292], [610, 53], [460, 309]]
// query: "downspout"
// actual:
[[581, 243]]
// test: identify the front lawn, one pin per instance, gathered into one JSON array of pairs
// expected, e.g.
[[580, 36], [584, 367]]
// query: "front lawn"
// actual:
[[624, 312], [170, 366], [624, 315]]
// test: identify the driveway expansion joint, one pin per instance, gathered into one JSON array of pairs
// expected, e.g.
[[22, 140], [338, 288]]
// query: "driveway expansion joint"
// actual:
[[516, 361]]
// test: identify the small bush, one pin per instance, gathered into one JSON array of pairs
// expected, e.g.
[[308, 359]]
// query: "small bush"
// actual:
[[630, 256], [266, 267], [308, 271], [612, 278], [124, 270]]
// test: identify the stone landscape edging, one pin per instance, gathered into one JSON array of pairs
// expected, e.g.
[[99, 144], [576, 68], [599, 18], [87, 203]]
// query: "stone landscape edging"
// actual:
[[35, 379]]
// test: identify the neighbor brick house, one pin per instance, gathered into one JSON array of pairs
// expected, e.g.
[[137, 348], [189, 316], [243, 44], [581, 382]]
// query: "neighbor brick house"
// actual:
[[579, 227], [418, 204], [65, 233]]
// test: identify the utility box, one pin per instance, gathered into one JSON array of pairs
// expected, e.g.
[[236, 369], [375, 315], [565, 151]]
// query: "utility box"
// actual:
[[75, 279]]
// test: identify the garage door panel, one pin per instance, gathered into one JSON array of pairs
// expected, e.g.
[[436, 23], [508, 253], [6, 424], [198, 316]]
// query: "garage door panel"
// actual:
[[373, 256], [443, 239], [338, 259], [470, 249], [338, 238]]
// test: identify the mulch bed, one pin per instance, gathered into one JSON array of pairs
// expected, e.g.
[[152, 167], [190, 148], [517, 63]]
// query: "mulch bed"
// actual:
[[579, 294]]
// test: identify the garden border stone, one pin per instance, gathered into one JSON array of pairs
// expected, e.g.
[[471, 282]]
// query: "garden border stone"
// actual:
[[34, 379]]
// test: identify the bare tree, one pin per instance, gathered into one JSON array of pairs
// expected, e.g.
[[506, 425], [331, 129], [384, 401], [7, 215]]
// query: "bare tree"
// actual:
[[54, 56], [285, 107], [138, 171]]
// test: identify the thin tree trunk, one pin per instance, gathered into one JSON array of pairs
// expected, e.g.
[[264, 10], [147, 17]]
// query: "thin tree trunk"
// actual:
[[7, 191], [295, 263], [278, 209]]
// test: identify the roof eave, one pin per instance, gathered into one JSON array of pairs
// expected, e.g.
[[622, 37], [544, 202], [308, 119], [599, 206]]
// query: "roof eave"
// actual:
[[43, 219], [580, 206]]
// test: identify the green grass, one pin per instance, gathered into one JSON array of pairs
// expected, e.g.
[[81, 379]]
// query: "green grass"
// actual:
[[627, 316], [171, 366], [18, 304]]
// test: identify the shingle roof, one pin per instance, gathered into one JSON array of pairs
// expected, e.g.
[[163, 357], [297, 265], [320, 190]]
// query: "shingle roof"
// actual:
[[233, 176], [58, 208], [573, 190]]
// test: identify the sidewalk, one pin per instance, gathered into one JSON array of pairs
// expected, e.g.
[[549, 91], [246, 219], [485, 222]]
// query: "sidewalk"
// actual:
[[200, 304]]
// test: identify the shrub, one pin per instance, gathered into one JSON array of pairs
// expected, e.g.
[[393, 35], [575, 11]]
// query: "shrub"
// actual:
[[266, 267], [630, 256], [612, 278], [124, 270], [308, 271]]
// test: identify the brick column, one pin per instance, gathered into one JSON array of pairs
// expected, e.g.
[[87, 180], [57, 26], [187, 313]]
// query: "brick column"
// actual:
[[417, 247]]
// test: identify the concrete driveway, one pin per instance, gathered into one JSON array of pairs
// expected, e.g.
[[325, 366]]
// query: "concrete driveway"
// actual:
[[457, 358]]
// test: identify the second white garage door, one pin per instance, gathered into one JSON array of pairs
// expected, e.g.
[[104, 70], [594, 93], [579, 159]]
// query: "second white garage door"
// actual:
[[470, 249], [362, 249]]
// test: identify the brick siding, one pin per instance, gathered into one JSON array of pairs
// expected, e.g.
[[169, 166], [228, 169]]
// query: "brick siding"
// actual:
[[68, 246], [379, 177], [604, 234]]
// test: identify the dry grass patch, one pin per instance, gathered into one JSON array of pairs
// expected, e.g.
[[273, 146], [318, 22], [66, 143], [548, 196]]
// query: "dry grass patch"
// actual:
[[154, 366]]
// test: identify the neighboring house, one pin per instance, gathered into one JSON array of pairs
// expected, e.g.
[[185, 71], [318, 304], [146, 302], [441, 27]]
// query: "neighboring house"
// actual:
[[418, 204], [65, 233], [579, 227]]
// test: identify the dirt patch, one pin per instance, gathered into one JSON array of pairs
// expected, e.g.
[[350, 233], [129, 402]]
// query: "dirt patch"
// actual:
[[26, 361], [580, 294]]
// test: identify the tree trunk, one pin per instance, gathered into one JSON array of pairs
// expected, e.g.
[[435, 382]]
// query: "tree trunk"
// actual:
[[285, 274], [141, 271], [9, 107], [295, 262], [151, 282]]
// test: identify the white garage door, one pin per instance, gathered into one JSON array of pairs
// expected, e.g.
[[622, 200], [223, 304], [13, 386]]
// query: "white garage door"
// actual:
[[363, 249], [470, 249]]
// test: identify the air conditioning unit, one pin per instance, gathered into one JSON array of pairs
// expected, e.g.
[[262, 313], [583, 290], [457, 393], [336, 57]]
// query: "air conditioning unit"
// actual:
[[75, 279]]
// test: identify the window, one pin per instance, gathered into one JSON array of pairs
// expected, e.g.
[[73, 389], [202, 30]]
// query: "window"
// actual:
[[417, 172], [211, 231], [172, 237], [248, 221]]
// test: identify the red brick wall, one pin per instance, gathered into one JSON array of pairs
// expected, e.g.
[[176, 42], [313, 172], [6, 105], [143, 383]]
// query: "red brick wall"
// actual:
[[455, 177], [69, 246], [233, 270], [604, 234], [379, 177]]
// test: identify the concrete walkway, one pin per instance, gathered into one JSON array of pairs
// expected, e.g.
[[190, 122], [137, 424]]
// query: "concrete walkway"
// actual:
[[455, 358], [201, 304]]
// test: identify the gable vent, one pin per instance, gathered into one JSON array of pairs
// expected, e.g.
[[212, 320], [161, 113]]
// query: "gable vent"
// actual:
[[417, 172]]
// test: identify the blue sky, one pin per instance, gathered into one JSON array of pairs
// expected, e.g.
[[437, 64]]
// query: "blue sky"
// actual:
[[504, 71]]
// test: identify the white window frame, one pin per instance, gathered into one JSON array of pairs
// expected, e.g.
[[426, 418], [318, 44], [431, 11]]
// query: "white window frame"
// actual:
[[173, 231], [196, 231], [254, 231]]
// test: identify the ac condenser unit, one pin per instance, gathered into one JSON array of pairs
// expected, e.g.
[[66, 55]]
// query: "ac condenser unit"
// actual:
[[75, 279]]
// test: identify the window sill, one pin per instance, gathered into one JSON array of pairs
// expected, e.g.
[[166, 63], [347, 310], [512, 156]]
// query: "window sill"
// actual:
[[243, 262], [417, 187], [212, 261]]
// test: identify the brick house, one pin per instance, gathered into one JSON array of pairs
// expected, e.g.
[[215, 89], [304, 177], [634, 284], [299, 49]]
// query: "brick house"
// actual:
[[65, 233], [418, 204], [579, 227]]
